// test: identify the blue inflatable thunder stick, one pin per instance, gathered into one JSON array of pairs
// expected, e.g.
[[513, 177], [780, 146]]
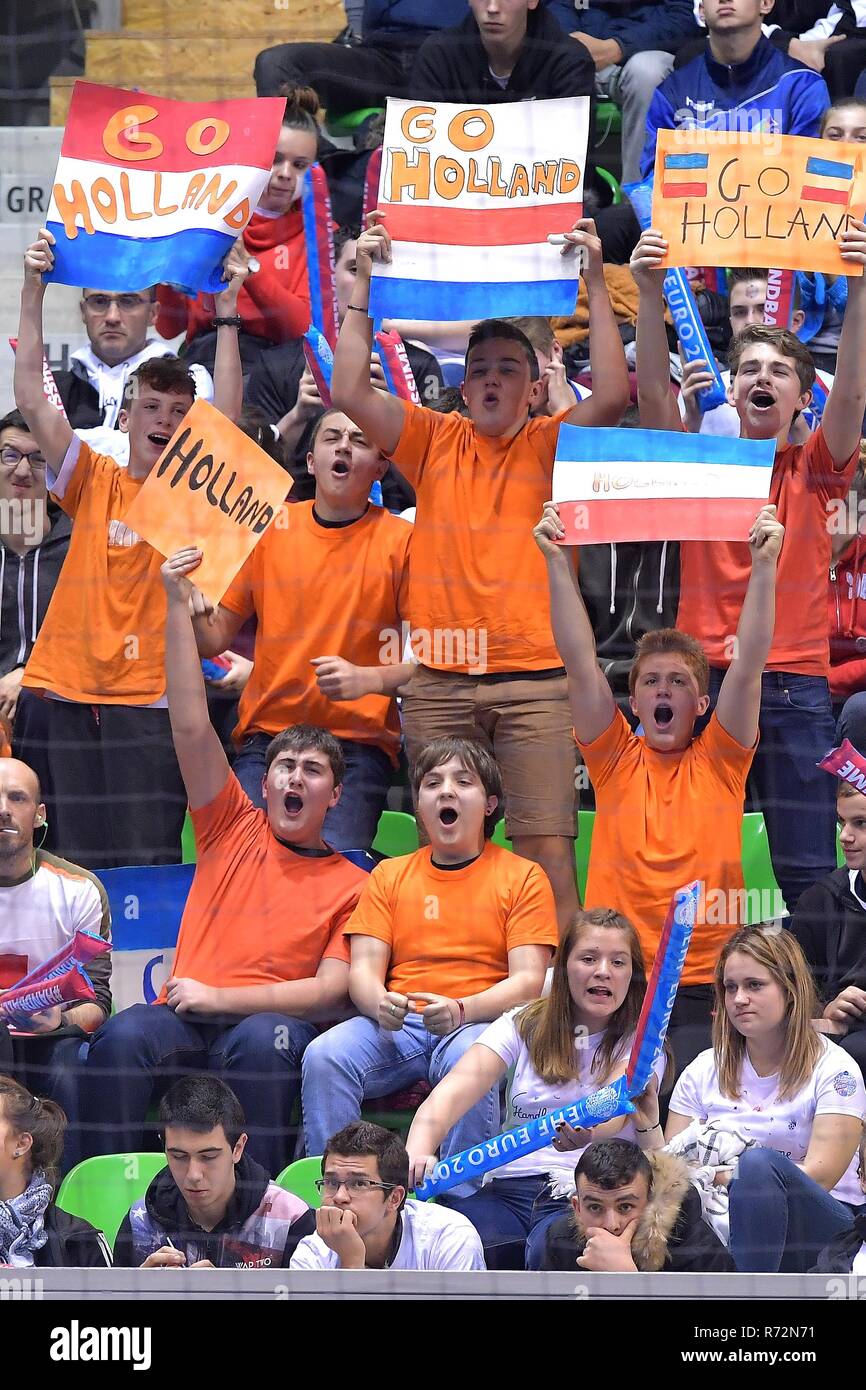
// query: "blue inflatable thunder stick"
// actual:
[[611, 1101]]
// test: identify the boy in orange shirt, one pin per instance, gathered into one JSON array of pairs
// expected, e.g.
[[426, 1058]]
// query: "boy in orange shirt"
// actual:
[[260, 957], [98, 658], [488, 668], [443, 941], [326, 589], [669, 805], [772, 375]]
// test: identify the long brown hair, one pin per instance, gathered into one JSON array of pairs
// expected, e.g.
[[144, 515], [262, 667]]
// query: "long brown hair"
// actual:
[[780, 953], [547, 1026], [42, 1119]]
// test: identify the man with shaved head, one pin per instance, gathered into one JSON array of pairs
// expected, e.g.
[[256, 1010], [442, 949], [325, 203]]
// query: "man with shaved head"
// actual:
[[43, 902]]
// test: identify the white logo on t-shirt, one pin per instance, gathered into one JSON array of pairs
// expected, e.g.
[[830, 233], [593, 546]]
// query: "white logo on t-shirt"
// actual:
[[121, 535]]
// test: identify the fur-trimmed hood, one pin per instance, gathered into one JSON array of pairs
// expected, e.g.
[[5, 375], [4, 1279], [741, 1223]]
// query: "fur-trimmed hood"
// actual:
[[664, 1217]]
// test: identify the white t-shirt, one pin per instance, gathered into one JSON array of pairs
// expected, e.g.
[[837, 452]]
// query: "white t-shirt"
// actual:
[[834, 1088], [530, 1098], [434, 1237]]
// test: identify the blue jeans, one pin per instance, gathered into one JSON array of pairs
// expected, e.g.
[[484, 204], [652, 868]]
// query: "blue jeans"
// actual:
[[358, 1060], [353, 822], [136, 1056], [780, 1217], [798, 799], [509, 1212]]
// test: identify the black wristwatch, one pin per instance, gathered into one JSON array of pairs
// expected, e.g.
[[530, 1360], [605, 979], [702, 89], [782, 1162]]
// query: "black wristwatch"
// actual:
[[229, 321]]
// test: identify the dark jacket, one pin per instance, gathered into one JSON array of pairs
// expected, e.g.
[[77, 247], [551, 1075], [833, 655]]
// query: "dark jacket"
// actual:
[[768, 87], [629, 589], [830, 925], [654, 25], [796, 17], [672, 1235], [72, 1243], [80, 399], [406, 23], [26, 586], [260, 1229], [838, 1256], [453, 65]]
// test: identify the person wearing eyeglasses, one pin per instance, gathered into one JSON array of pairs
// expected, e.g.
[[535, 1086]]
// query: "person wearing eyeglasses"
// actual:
[[365, 1221], [212, 1206], [34, 539]]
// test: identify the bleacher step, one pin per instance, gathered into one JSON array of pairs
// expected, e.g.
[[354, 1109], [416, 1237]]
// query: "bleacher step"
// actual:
[[289, 20]]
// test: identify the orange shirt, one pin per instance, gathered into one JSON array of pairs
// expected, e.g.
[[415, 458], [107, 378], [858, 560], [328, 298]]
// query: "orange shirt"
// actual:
[[478, 593], [662, 821], [258, 912], [714, 577], [450, 930], [321, 591], [102, 640]]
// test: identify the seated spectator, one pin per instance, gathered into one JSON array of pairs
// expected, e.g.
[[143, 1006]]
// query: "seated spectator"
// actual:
[[43, 902], [212, 1206], [427, 970], [34, 1232], [274, 301], [326, 589], [366, 1222], [840, 1255], [34, 539], [480, 483], [633, 1211], [632, 47], [93, 391], [669, 804], [556, 1051], [556, 391], [353, 75], [629, 588], [846, 614], [98, 656], [283, 388], [834, 44], [830, 925], [772, 375], [513, 51], [778, 1085], [260, 954]]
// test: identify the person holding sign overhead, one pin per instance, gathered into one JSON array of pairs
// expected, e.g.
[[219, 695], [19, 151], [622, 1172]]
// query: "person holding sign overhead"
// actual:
[[772, 375], [489, 666], [99, 654]]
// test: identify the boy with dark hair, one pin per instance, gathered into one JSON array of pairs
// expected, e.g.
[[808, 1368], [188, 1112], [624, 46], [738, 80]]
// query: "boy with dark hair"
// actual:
[[443, 941], [669, 804], [633, 1211], [488, 668], [771, 380], [212, 1206], [260, 956], [99, 655], [366, 1222]]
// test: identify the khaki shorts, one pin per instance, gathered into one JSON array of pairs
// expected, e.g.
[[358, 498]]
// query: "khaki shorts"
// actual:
[[527, 726]]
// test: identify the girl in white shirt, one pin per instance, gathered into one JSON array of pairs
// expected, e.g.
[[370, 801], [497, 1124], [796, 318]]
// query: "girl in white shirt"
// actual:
[[559, 1050], [791, 1091]]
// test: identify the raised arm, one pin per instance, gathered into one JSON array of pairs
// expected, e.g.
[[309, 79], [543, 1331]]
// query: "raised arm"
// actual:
[[203, 763], [843, 414], [739, 703], [610, 389], [51, 430], [228, 380], [658, 409], [590, 696], [377, 413]]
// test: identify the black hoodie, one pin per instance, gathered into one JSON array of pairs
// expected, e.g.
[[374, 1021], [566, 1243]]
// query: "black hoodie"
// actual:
[[453, 65], [72, 1243], [830, 925], [629, 589], [26, 585], [260, 1229]]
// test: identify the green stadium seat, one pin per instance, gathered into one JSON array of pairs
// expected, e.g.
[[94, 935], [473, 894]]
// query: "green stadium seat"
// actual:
[[608, 121], [189, 854], [348, 124], [101, 1190], [613, 184], [300, 1178], [397, 834]]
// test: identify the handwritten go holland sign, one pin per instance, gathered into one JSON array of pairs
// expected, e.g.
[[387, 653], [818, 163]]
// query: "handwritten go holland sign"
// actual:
[[725, 198], [470, 196], [148, 189], [655, 485]]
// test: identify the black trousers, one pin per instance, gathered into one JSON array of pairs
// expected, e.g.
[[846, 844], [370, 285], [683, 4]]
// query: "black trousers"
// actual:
[[31, 743], [119, 797], [843, 64], [345, 79]]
